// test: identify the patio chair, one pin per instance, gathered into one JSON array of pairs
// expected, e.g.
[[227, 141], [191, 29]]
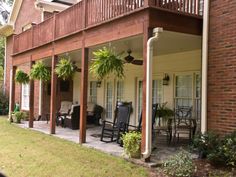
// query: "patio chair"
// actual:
[[94, 113], [112, 131], [64, 111], [72, 120], [184, 123]]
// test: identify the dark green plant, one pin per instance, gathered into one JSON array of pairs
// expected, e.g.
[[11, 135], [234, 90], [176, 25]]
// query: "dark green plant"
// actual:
[[21, 77], [19, 116], [225, 152], [40, 71], [179, 165], [205, 143], [106, 62], [164, 112], [132, 143], [3, 104], [65, 69]]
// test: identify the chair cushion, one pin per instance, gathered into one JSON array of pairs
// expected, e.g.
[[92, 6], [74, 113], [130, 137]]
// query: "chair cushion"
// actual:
[[68, 117], [65, 107], [90, 107]]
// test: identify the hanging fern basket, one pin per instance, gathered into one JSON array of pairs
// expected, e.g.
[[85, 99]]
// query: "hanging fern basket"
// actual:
[[106, 62], [65, 69], [21, 77], [40, 71]]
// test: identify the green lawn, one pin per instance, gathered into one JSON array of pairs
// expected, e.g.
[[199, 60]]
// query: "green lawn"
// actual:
[[26, 153]]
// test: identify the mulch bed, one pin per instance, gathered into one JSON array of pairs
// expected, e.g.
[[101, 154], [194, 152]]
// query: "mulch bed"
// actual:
[[203, 169]]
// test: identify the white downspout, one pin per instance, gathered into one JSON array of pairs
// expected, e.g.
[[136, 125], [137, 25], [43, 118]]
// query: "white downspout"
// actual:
[[148, 143], [204, 65]]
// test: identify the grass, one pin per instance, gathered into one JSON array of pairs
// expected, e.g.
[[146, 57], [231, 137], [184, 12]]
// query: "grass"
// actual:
[[26, 153]]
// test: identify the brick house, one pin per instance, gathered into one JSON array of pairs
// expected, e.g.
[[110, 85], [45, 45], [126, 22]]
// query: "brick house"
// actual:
[[198, 77]]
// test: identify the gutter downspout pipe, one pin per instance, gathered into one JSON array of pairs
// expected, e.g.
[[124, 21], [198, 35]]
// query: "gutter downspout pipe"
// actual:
[[148, 135], [205, 65]]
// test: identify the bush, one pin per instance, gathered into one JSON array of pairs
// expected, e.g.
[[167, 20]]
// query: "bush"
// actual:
[[205, 143], [18, 116], [4, 104], [179, 165], [220, 151], [225, 152], [132, 144]]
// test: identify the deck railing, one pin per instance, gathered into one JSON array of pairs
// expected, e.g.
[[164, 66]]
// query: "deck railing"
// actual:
[[88, 13]]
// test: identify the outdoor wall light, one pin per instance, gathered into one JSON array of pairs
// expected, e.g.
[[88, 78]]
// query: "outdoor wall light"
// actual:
[[99, 83], [166, 79]]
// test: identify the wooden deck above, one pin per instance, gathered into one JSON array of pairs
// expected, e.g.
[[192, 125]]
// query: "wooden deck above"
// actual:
[[90, 14]]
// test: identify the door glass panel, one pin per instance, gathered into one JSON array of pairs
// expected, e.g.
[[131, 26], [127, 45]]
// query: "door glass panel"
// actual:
[[109, 100]]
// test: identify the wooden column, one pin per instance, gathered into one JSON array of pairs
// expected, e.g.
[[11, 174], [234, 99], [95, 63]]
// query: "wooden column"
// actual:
[[83, 95], [31, 101], [12, 91], [53, 100], [146, 35]]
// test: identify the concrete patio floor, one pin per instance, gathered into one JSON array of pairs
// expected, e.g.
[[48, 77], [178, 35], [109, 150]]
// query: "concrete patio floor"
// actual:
[[160, 153]]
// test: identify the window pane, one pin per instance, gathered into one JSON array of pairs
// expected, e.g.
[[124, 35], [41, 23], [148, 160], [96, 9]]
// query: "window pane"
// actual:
[[109, 100], [93, 92], [120, 90]]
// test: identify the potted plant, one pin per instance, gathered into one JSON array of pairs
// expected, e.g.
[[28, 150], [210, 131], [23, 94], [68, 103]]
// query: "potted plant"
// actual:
[[21, 77], [18, 116], [107, 62], [164, 114], [132, 144], [65, 69], [40, 71]]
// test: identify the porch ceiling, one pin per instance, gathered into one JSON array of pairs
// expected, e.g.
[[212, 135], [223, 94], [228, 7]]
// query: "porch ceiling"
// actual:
[[168, 43]]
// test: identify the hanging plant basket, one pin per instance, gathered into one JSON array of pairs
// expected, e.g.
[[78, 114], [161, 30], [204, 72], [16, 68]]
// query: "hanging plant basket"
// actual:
[[65, 69], [40, 71], [21, 77], [106, 62]]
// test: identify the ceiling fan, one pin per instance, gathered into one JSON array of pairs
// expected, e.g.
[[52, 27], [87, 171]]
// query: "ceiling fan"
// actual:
[[132, 60], [76, 68]]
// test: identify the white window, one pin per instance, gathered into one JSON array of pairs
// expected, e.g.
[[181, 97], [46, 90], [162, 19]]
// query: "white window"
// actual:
[[109, 100], [120, 91], [183, 90], [25, 97], [93, 92], [157, 91]]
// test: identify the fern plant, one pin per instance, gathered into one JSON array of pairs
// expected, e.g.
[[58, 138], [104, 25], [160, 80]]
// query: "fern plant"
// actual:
[[40, 71], [106, 62], [65, 69], [21, 77], [132, 144]]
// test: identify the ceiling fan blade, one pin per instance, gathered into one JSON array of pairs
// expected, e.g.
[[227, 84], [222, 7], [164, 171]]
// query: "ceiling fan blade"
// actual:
[[137, 62]]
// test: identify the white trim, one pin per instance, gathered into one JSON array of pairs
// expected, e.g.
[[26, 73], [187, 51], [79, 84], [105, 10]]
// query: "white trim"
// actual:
[[10, 95]]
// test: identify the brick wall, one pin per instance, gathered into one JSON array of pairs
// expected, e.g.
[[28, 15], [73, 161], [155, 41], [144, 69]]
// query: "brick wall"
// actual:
[[27, 14], [222, 67]]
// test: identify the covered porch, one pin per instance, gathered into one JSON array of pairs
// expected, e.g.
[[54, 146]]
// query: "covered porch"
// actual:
[[176, 55]]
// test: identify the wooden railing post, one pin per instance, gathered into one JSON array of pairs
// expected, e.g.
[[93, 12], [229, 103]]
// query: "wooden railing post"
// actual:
[[85, 14], [31, 101], [83, 95], [53, 101]]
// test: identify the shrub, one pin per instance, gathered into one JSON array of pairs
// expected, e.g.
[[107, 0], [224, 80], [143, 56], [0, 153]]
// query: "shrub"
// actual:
[[179, 165], [132, 144], [205, 143], [19, 116], [225, 152], [3, 104]]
